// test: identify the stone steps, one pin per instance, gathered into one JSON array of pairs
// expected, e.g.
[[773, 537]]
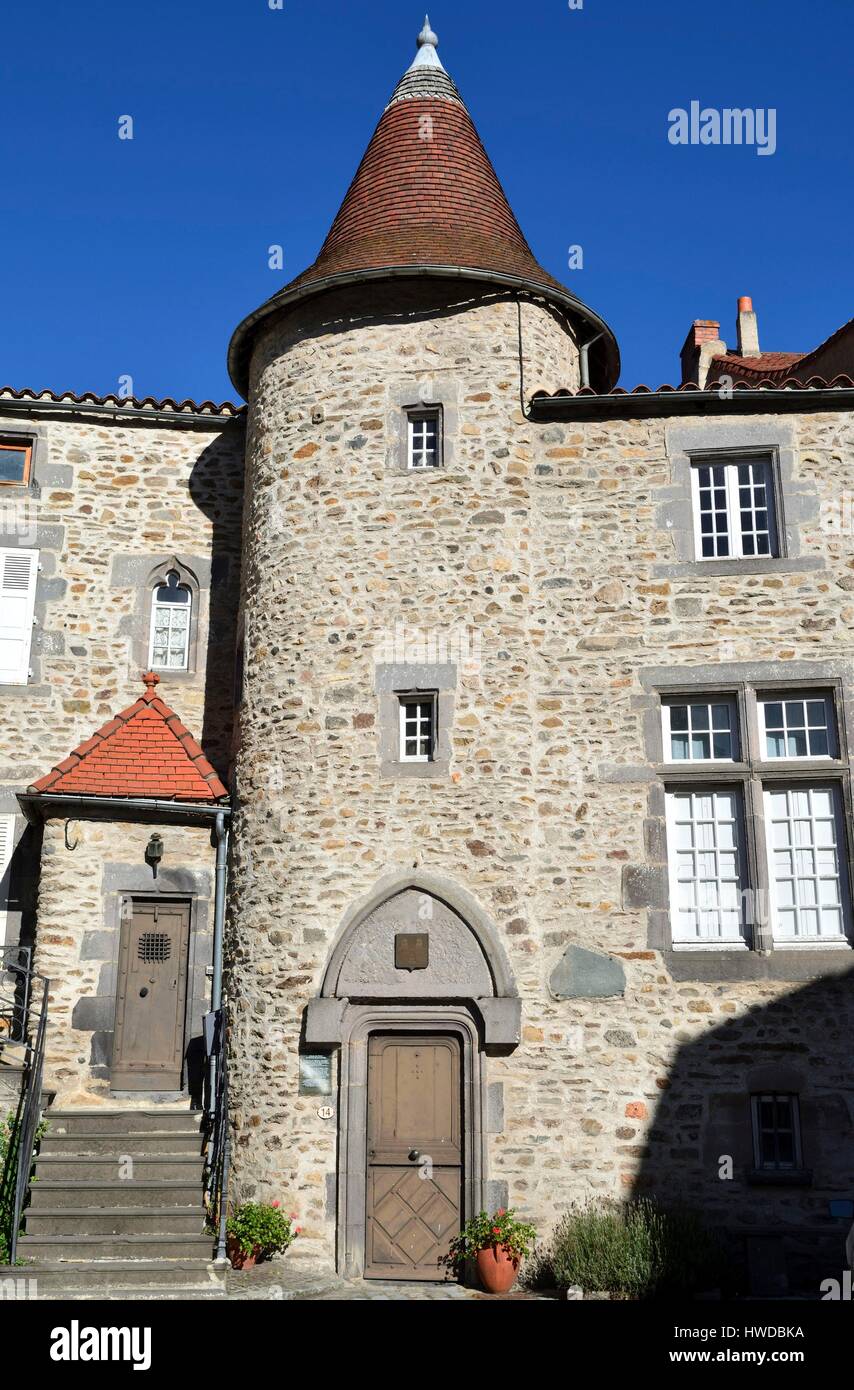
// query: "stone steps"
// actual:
[[91, 1167], [145, 1144], [108, 1277], [80, 1248], [165, 1193], [115, 1221], [91, 1226], [128, 1121]]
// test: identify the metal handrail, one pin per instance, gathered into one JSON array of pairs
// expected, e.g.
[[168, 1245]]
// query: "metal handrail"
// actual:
[[216, 1125], [29, 1027]]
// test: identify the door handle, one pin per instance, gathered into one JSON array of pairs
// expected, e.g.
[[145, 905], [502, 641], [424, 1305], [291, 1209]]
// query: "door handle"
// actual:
[[414, 1155], [143, 992]]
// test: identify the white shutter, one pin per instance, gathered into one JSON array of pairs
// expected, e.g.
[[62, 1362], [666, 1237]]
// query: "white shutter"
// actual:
[[7, 840], [18, 573]]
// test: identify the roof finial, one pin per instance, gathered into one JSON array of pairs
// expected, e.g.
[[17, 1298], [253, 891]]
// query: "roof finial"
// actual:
[[427, 35], [150, 679], [427, 57]]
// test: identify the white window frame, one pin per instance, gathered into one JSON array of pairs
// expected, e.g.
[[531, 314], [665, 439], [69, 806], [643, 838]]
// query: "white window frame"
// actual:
[[170, 608], [697, 943], [7, 848], [22, 630], [733, 508], [420, 418], [706, 701], [422, 699], [798, 697], [797, 1152], [808, 943]]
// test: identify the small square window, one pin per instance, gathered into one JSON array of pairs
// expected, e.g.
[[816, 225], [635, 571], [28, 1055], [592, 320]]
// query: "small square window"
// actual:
[[16, 457], [701, 731], [776, 1133], [797, 726], [417, 728], [734, 510], [424, 439]]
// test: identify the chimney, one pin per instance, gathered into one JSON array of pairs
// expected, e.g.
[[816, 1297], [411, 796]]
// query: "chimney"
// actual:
[[748, 328], [702, 344]]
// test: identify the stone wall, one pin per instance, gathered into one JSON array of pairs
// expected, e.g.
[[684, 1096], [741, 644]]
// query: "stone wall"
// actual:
[[113, 499], [551, 543], [88, 868]]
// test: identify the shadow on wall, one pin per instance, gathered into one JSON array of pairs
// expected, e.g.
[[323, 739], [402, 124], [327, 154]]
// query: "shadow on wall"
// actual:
[[783, 1206], [216, 487]]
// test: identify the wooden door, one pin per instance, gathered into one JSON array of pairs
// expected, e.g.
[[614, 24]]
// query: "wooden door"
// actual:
[[414, 1189], [148, 1048]]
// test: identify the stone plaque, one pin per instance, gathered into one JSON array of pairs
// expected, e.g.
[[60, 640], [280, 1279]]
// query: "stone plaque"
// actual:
[[315, 1074], [412, 950]]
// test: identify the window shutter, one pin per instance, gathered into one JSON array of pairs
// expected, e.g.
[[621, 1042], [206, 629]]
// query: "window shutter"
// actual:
[[18, 573], [7, 838]]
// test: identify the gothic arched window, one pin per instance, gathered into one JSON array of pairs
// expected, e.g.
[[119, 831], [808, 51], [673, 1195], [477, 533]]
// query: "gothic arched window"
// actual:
[[171, 608]]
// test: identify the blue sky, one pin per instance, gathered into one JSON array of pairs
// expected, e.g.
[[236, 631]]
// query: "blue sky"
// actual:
[[139, 257]]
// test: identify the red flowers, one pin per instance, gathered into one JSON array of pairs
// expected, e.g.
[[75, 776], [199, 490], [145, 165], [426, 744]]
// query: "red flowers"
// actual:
[[275, 1204]]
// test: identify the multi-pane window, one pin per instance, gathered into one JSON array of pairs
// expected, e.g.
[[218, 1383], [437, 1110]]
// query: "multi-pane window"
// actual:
[[776, 1133], [16, 457], [705, 859], [423, 440], [734, 510], [806, 869], [802, 727], [171, 608], [417, 728], [700, 732]]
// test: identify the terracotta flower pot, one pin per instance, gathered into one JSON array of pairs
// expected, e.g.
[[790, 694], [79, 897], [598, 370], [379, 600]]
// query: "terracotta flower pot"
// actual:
[[496, 1268], [238, 1256]]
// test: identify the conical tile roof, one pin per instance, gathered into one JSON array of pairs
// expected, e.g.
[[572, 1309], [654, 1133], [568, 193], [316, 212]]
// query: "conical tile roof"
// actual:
[[426, 200]]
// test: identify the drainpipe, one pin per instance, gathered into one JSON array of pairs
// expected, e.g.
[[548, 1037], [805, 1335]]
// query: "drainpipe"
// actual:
[[585, 366], [219, 921]]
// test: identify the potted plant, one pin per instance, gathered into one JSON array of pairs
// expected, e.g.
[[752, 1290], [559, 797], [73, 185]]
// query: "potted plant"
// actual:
[[498, 1244], [257, 1230]]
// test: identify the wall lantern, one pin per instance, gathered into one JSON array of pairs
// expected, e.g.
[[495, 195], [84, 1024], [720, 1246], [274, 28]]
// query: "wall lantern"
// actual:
[[154, 852]]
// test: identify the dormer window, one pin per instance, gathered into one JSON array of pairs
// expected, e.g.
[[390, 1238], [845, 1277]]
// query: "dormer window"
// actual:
[[424, 439], [171, 608]]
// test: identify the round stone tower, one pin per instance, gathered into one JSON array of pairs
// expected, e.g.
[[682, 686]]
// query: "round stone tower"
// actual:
[[384, 811]]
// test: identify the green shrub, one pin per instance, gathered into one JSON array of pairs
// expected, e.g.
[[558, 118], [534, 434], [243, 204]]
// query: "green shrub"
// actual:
[[637, 1250], [262, 1227]]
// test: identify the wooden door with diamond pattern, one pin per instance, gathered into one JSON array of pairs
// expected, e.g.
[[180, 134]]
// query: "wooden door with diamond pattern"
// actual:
[[414, 1196]]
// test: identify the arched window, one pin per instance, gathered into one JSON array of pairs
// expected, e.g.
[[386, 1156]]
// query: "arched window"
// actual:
[[171, 607]]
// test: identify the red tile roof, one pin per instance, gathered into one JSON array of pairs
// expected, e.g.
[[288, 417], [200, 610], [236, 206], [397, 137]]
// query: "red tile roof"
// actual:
[[186, 407], [143, 752]]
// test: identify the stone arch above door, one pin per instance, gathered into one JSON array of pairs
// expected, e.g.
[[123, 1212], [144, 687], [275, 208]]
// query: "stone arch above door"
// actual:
[[466, 959]]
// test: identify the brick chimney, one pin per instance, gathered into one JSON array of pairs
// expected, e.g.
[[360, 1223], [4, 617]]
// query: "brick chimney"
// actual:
[[748, 328], [702, 344]]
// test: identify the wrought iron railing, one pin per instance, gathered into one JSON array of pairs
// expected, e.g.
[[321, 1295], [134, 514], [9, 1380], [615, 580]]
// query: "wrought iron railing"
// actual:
[[216, 1126], [23, 1029]]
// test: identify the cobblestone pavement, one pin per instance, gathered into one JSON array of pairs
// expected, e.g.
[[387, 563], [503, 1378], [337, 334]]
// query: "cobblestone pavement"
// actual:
[[283, 1280]]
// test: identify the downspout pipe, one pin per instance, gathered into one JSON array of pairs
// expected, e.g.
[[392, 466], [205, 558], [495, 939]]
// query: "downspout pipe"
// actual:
[[585, 363], [221, 832]]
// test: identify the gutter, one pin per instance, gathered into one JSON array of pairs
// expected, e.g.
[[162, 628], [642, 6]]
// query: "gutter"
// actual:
[[239, 349], [750, 400], [31, 802], [221, 830]]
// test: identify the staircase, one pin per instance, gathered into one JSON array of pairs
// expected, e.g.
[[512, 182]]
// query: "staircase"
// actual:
[[116, 1207]]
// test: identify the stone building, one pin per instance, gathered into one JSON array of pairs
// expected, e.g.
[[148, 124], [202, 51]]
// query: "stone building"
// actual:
[[528, 703]]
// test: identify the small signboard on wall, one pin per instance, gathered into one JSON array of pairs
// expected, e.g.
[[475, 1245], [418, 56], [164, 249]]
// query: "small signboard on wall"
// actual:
[[315, 1074]]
